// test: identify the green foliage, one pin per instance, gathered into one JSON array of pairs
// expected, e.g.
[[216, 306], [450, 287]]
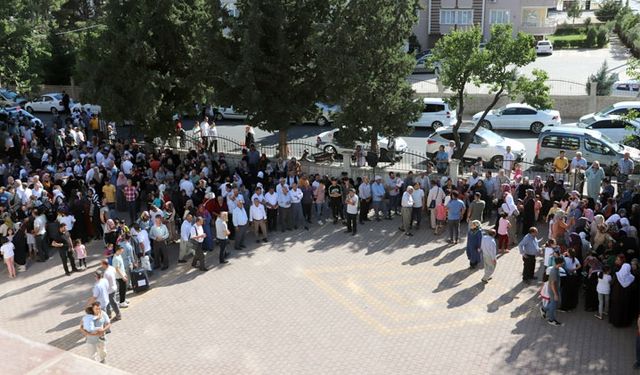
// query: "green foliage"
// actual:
[[587, 23], [608, 10], [627, 26], [575, 10], [414, 44], [496, 65], [592, 35], [140, 67], [603, 79], [602, 37], [369, 70]]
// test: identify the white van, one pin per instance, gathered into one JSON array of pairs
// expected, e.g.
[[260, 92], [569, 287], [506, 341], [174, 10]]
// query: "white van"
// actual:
[[617, 109], [435, 113], [626, 88]]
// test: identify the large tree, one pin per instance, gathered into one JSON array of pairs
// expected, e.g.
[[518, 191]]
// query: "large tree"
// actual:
[[140, 67], [368, 67], [266, 61], [463, 62]]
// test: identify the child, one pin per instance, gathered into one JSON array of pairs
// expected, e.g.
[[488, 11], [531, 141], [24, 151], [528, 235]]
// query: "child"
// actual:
[[503, 233], [7, 251], [603, 288], [517, 171], [81, 253], [108, 252], [441, 217]]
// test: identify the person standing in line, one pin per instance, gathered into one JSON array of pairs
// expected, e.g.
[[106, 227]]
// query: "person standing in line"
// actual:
[[604, 289], [351, 202], [508, 159], [455, 210], [297, 213], [258, 216], [121, 277], [377, 196], [434, 198], [407, 211], [476, 208], [240, 221], [335, 196], [185, 234], [594, 176], [197, 236], [549, 312], [39, 231], [489, 253], [529, 248], [160, 234], [284, 209], [626, 167], [474, 243], [131, 197], [271, 201], [222, 235], [418, 205], [110, 276], [319, 200], [364, 193], [393, 185], [95, 325]]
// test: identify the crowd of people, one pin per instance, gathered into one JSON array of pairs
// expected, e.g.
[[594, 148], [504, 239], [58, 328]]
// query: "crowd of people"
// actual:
[[70, 182]]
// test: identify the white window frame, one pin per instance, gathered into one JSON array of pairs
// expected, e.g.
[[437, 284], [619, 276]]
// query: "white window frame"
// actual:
[[447, 16], [500, 16], [456, 16]]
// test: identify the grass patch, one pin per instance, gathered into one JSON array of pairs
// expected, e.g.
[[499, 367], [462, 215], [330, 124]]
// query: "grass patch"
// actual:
[[568, 35]]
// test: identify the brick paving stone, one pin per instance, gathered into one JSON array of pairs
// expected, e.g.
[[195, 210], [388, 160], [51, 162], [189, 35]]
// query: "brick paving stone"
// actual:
[[324, 302]]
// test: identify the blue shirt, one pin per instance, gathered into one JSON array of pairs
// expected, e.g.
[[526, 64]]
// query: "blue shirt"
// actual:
[[454, 209], [529, 245], [377, 192]]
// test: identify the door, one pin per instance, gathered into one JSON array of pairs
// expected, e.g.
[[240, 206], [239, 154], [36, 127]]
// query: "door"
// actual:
[[614, 129], [526, 117], [508, 119], [596, 150], [433, 112]]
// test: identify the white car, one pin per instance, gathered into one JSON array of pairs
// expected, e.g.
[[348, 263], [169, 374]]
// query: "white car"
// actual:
[[614, 127], [518, 116], [619, 109], [228, 113], [486, 144], [89, 108], [626, 88], [326, 141], [47, 103], [325, 113], [435, 114], [544, 47]]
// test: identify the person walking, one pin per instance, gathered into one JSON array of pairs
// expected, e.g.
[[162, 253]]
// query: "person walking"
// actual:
[[476, 208], [222, 235], [240, 221], [109, 275], [474, 243], [529, 248], [351, 202], [455, 210], [95, 325], [549, 312], [489, 253], [160, 234], [407, 211], [197, 236]]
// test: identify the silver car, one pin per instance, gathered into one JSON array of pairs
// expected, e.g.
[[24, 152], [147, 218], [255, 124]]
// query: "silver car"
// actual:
[[486, 144], [327, 142]]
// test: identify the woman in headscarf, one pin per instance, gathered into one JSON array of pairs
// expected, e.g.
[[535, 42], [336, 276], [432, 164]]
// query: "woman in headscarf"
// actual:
[[509, 206], [570, 284], [474, 239], [592, 265], [121, 182], [111, 233], [529, 213], [623, 295], [21, 249]]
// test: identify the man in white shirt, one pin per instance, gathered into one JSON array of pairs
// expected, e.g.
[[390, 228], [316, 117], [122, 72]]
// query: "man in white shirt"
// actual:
[[258, 194], [185, 234], [296, 207], [110, 276], [271, 202], [69, 220], [143, 239], [213, 137], [204, 133], [507, 160], [100, 291], [39, 230], [407, 210], [187, 186], [488, 247], [418, 205], [240, 221], [434, 198], [198, 235], [281, 185], [351, 202], [126, 167], [364, 193], [258, 217]]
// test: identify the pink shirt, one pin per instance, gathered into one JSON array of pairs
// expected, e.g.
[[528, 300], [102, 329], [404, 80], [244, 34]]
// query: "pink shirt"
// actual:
[[80, 251], [441, 212], [503, 226]]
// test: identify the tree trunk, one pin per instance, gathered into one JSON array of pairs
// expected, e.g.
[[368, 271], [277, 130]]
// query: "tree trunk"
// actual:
[[374, 142], [459, 153], [282, 143]]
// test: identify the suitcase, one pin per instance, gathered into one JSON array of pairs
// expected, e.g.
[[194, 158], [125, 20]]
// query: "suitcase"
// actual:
[[139, 280]]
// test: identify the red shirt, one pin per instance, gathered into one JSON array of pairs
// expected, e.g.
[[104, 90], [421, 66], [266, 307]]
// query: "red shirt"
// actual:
[[130, 193]]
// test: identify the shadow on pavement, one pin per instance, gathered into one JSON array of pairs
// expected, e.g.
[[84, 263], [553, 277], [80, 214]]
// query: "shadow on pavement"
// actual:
[[454, 279], [426, 256], [465, 296], [450, 257], [506, 298]]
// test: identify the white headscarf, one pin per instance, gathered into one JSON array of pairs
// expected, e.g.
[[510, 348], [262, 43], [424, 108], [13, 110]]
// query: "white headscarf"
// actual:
[[624, 275], [509, 206]]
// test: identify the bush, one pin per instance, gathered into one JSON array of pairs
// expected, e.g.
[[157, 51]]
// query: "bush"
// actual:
[[587, 23], [592, 35], [608, 10], [602, 37], [605, 81], [560, 44]]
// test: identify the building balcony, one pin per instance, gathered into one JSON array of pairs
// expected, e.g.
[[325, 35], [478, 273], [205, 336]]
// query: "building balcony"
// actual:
[[546, 27], [540, 3]]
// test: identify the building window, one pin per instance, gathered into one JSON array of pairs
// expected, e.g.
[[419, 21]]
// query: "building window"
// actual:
[[499, 16], [456, 17]]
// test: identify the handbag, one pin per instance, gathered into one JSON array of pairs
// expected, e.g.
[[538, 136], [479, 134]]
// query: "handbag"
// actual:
[[432, 204]]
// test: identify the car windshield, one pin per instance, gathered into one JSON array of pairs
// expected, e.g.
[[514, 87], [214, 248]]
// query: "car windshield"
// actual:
[[9, 95], [491, 137], [603, 111], [499, 110], [57, 96]]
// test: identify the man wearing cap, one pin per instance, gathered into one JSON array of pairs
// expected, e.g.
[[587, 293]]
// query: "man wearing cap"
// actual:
[[351, 202], [407, 211], [258, 217], [160, 234]]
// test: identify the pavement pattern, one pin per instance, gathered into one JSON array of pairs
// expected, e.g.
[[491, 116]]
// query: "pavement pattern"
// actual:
[[324, 302]]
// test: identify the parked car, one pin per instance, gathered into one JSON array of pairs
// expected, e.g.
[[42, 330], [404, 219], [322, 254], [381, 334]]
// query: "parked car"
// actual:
[[626, 88], [519, 116], [614, 127], [228, 113], [485, 144], [327, 142], [51, 102], [425, 64], [324, 114], [18, 113], [620, 109], [9, 98], [593, 145], [544, 47], [435, 114], [90, 108]]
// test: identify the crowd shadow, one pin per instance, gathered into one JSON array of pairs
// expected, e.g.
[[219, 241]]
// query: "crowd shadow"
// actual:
[[426, 256], [453, 280], [465, 296], [506, 298], [450, 257]]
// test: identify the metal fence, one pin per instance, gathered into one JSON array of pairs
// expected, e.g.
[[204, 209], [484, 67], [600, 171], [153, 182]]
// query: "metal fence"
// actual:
[[556, 87]]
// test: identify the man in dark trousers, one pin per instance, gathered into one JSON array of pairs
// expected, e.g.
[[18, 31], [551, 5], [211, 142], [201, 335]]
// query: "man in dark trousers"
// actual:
[[529, 248], [60, 240], [197, 237], [66, 102], [160, 234]]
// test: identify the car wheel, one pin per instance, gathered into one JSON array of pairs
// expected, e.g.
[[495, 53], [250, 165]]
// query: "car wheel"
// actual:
[[536, 127], [322, 121], [547, 165], [436, 125], [330, 150], [219, 117], [486, 124], [54, 110], [497, 161], [29, 109]]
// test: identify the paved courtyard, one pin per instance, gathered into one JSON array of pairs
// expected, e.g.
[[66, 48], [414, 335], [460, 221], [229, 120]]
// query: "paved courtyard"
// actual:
[[324, 302]]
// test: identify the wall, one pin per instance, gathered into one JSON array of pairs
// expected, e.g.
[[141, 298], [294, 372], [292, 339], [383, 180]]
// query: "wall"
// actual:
[[73, 91]]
